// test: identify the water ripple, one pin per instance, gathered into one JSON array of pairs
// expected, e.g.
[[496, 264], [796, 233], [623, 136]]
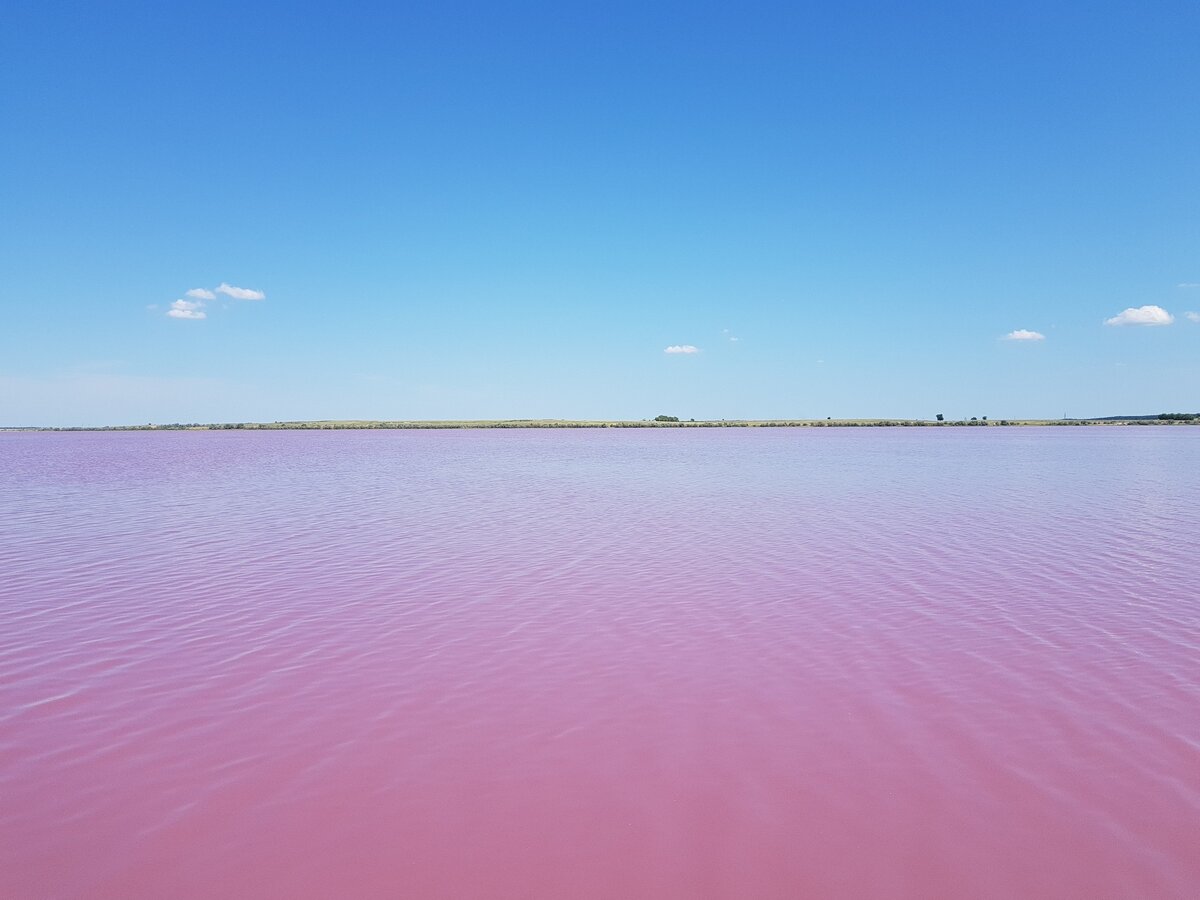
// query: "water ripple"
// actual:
[[724, 663]]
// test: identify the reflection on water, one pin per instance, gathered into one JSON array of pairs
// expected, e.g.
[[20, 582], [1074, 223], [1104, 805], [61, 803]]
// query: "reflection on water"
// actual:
[[734, 663]]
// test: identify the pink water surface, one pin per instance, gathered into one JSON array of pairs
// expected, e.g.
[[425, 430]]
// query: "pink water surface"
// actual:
[[615, 663]]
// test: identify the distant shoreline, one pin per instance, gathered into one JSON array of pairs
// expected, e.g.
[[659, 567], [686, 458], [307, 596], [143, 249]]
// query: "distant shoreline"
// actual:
[[401, 425]]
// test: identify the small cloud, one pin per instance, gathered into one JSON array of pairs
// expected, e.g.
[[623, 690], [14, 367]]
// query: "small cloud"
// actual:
[[187, 309], [681, 348], [1022, 334], [1142, 315], [201, 294], [238, 293], [1188, 284], [1192, 317], [729, 335]]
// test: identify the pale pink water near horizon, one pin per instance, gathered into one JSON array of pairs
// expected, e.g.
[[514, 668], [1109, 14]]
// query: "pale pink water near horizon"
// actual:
[[613, 663]]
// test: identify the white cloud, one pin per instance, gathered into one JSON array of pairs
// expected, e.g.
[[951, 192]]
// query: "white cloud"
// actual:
[[201, 294], [1193, 316], [1142, 315], [186, 304], [681, 348], [238, 293], [1022, 334], [730, 335], [186, 314], [1188, 284]]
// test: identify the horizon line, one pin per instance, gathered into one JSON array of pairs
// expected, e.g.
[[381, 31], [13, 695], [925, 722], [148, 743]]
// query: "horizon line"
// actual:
[[662, 422]]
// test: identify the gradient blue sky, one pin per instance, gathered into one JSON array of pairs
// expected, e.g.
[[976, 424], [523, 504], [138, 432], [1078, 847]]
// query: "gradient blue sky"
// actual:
[[512, 210]]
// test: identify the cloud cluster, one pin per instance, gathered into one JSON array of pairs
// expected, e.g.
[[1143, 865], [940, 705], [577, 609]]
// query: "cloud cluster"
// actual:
[[681, 348], [193, 309], [1141, 315], [1022, 334]]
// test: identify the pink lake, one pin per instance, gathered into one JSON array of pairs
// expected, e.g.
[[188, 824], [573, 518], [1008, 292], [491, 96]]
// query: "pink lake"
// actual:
[[776, 663]]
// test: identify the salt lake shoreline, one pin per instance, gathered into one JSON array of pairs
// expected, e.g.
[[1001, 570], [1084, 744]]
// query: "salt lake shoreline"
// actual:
[[338, 424]]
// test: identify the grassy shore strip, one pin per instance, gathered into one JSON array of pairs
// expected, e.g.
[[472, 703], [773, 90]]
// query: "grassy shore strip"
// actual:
[[352, 424]]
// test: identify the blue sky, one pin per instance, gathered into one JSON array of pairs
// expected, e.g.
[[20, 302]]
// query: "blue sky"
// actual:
[[512, 210]]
